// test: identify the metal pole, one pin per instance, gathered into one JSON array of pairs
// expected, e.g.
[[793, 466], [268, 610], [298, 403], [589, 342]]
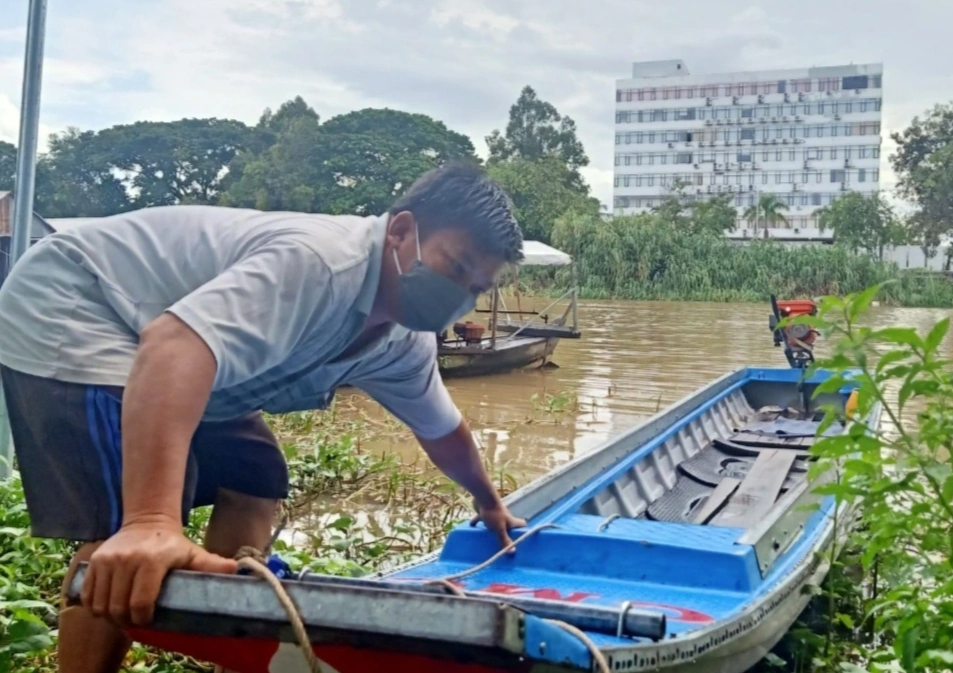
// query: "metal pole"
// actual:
[[25, 184]]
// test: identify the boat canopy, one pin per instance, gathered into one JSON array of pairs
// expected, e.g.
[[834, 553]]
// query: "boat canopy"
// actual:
[[536, 253]]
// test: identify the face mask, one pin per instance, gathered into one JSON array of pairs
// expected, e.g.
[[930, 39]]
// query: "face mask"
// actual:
[[429, 302]]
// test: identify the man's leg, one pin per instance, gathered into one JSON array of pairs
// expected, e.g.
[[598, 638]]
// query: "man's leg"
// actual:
[[239, 520], [69, 452], [243, 474], [87, 643]]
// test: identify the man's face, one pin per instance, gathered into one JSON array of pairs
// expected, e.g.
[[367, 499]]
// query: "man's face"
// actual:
[[450, 252]]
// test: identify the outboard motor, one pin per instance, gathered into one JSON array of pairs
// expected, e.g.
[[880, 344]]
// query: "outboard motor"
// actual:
[[798, 340]]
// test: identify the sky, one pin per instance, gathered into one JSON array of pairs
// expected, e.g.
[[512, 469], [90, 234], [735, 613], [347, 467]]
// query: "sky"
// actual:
[[463, 62]]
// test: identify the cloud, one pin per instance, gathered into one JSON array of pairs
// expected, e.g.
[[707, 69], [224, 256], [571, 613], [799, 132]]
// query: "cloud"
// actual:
[[461, 61]]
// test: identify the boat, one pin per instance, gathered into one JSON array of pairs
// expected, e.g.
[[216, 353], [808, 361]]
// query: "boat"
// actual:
[[684, 544], [508, 344]]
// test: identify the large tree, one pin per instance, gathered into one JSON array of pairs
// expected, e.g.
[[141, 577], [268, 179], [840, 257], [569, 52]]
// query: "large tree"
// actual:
[[924, 165], [355, 163], [8, 165], [166, 163], [540, 194], [861, 222], [372, 156], [75, 180], [537, 130]]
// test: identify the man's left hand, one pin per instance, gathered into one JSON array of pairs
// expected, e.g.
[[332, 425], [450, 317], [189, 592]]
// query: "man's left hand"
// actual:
[[499, 520]]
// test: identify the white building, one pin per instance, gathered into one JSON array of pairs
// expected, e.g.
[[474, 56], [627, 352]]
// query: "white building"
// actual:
[[805, 135]]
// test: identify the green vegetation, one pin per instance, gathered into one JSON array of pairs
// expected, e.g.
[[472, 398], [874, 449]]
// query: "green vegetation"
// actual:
[[888, 602], [644, 257]]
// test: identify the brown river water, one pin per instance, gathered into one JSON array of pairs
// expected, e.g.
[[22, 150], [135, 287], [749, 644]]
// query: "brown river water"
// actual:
[[634, 358]]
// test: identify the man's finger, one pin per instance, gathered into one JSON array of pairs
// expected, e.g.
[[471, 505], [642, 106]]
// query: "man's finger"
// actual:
[[504, 537], [89, 587], [100, 602], [206, 562], [121, 583], [145, 591]]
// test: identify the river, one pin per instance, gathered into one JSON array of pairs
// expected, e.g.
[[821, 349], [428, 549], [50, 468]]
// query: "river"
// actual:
[[633, 359]]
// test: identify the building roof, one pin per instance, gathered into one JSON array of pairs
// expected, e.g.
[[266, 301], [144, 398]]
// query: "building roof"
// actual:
[[38, 229]]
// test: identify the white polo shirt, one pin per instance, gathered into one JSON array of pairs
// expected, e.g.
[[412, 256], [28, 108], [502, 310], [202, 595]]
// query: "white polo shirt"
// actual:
[[277, 297]]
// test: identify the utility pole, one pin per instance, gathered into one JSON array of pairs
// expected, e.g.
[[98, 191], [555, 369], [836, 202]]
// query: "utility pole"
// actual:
[[25, 184]]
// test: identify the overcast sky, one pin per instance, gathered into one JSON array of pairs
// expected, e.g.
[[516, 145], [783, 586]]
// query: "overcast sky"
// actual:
[[461, 61]]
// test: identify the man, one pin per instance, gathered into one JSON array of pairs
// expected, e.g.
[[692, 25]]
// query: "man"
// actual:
[[138, 352]]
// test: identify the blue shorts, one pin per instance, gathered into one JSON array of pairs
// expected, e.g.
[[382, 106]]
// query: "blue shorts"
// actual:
[[68, 443]]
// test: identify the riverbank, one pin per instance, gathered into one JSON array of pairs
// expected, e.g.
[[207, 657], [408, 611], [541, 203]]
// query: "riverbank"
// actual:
[[644, 258]]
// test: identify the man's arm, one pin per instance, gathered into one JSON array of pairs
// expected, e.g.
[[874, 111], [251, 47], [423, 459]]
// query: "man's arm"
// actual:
[[167, 391], [457, 456], [240, 323], [406, 381]]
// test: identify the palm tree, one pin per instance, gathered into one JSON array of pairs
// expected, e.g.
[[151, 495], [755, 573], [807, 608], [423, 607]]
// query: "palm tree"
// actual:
[[768, 209]]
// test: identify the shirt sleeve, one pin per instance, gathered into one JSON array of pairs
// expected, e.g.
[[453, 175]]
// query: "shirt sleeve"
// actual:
[[254, 313], [408, 384]]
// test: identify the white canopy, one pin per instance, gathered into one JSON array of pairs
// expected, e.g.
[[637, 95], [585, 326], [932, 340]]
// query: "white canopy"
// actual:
[[540, 254]]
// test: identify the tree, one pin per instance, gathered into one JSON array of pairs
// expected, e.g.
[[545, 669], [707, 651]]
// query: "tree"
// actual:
[[166, 163], [372, 156], [924, 166], [767, 211], [714, 216], [288, 113], [862, 222], [540, 194], [8, 166], [355, 163], [536, 130], [74, 180]]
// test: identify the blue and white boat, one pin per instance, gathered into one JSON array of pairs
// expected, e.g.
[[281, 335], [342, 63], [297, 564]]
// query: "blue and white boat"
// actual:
[[683, 544]]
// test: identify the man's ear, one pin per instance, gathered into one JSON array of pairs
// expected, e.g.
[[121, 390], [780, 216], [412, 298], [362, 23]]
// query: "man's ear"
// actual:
[[401, 227]]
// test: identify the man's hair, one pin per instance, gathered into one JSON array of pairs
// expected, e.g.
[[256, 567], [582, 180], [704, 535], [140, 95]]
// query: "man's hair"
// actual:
[[461, 195]]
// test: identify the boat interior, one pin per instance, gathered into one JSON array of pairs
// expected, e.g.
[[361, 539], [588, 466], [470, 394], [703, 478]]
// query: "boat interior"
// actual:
[[699, 515]]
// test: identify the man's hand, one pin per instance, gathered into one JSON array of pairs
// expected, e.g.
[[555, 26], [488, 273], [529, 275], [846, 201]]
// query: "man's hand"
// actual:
[[498, 519], [126, 573]]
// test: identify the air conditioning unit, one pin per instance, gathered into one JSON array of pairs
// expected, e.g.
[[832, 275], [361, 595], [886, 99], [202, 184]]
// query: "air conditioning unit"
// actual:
[[787, 98], [708, 102], [696, 165], [856, 92], [798, 141], [799, 118], [755, 166], [719, 122], [671, 144], [708, 122], [774, 141], [787, 119], [800, 96], [843, 186], [784, 141], [734, 100], [807, 164], [796, 187], [830, 93], [837, 117], [760, 99], [763, 120], [698, 191], [750, 188]]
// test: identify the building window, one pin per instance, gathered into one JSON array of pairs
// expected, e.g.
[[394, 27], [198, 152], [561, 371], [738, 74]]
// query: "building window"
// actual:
[[628, 159], [837, 175], [815, 199], [820, 175], [664, 158], [747, 134], [650, 180], [744, 158], [875, 175], [856, 82], [862, 175], [683, 158], [764, 178]]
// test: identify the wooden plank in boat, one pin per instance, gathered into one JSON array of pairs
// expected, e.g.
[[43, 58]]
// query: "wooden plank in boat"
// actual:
[[758, 492], [780, 441], [717, 498]]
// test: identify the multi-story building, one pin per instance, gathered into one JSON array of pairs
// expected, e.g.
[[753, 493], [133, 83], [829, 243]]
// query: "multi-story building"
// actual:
[[806, 136]]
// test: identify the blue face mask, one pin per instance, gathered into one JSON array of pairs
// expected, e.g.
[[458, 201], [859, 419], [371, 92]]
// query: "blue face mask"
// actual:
[[429, 302]]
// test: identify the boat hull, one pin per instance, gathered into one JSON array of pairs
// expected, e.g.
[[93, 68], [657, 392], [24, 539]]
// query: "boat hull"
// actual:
[[508, 355]]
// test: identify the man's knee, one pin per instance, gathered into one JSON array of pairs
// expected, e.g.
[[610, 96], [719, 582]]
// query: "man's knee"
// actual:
[[239, 520], [82, 555]]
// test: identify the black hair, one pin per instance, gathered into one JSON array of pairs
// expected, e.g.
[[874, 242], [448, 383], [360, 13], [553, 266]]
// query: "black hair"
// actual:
[[462, 195]]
